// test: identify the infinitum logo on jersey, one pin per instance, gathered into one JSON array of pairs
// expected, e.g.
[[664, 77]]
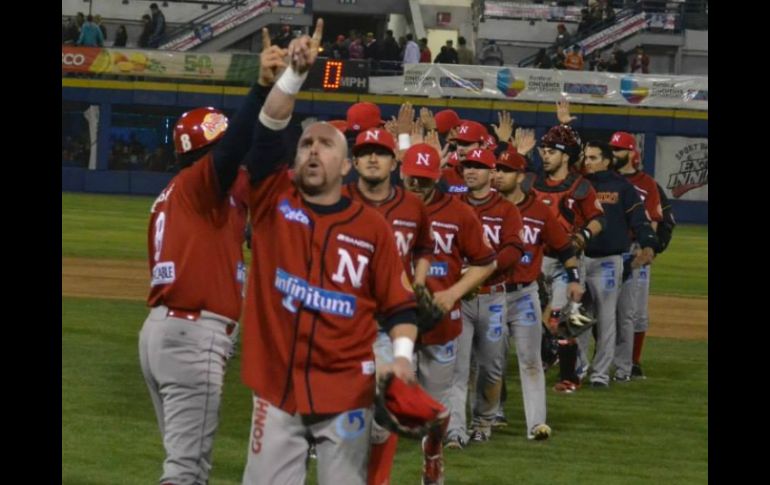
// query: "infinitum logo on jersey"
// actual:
[[438, 269], [327, 301], [458, 188], [213, 124], [292, 214]]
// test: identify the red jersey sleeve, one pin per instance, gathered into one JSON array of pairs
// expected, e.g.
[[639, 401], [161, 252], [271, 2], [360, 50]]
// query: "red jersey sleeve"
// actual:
[[424, 244], [511, 244], [554, 234], [652, 200], [264, 193], [590, 208], [199, 186]]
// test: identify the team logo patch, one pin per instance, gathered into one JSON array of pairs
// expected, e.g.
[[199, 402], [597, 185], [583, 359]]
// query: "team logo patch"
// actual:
[[438, 269], [456, 189], [526, 258], [445, 354], [163, 273], [351, 425], [240, 273], [495, 329], [292, 214], [367, 367], [327, 301], [213, 125]]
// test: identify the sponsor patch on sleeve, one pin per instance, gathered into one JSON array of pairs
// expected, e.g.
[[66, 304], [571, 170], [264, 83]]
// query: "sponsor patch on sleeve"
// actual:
[[163, 273]]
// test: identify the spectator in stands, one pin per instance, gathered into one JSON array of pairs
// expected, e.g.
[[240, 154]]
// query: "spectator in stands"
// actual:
[[452, 53], [593, 61], [90, 34], [283, 39], [619, 61], [641, 61], [80, 19], [491, 54], [542, 61], [464, 55], [559, 58], [389, 50], [102, 27], [425, 54], [338, 49], [573, 61], [412, 51], [356, 49], [443, 57], [608, 13], [372, 47], [70, 31], [158, 25], [121, 36], [586, 22], [401, 46], [144, 37], [157, 160], [563, 38]]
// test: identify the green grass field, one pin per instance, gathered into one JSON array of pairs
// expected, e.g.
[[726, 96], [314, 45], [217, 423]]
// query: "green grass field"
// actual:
[[643, 432]]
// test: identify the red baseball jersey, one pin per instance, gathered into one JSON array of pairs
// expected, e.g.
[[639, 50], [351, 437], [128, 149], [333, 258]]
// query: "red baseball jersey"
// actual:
[[647, 189], [459, 238], [540, 228], [194, 243], [503, 228], [318, 277], [407, 216], [453, 177], [572, 200]]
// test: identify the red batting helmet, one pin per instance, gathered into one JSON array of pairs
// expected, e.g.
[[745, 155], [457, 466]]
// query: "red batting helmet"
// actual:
[[198, 128]]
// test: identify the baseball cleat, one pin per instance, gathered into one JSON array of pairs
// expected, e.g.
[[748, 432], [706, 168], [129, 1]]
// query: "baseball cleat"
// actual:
[[540, 432]]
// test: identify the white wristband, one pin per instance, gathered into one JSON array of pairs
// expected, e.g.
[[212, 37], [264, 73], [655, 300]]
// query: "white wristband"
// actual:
[[290, 82], [272, 123], [403, 347], [404, 141]]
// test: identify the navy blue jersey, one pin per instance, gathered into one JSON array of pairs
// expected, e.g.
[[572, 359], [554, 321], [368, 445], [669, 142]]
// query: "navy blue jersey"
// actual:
[[624, 214]]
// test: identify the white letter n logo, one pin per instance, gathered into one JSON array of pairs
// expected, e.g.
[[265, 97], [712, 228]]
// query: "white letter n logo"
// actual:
[[445, 245], [354, 273], [423, 159]]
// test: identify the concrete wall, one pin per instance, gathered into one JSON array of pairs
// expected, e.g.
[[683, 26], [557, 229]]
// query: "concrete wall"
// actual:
[[379, 7], [539, 32], [114, 9], [461, 21]]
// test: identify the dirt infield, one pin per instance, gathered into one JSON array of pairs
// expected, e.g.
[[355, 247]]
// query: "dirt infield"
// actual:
[[670, 316]]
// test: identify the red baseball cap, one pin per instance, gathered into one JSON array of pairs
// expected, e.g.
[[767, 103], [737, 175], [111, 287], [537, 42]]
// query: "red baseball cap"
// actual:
[[453, 159], [375, 136], [446, 120], [422, 160], [512, 159], [490, 142], [471, 132], [362, 116], [487, 157], [621, 139], [341, 125]]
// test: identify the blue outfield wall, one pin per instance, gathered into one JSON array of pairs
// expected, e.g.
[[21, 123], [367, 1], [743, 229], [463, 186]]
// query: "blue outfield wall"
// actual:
[[652, 122]]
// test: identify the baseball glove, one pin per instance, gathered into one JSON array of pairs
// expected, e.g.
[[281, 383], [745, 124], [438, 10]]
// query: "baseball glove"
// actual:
[[428, 313], [406, 409], [574, 320]]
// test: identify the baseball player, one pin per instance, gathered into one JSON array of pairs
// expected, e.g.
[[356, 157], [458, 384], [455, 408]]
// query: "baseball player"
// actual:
[[197, 273], [469, 136], [374, 158], [458, 237], [524, 312], [573, 201], [623, 212], [484, 316], [326, 265], [633, 317]]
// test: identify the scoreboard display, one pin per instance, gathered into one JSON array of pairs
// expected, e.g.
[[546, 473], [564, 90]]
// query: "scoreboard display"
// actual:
[[338, 75]]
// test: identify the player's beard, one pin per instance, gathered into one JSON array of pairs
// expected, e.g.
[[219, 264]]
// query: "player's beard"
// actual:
[[620, 163], [301, 178], [374, 182]]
